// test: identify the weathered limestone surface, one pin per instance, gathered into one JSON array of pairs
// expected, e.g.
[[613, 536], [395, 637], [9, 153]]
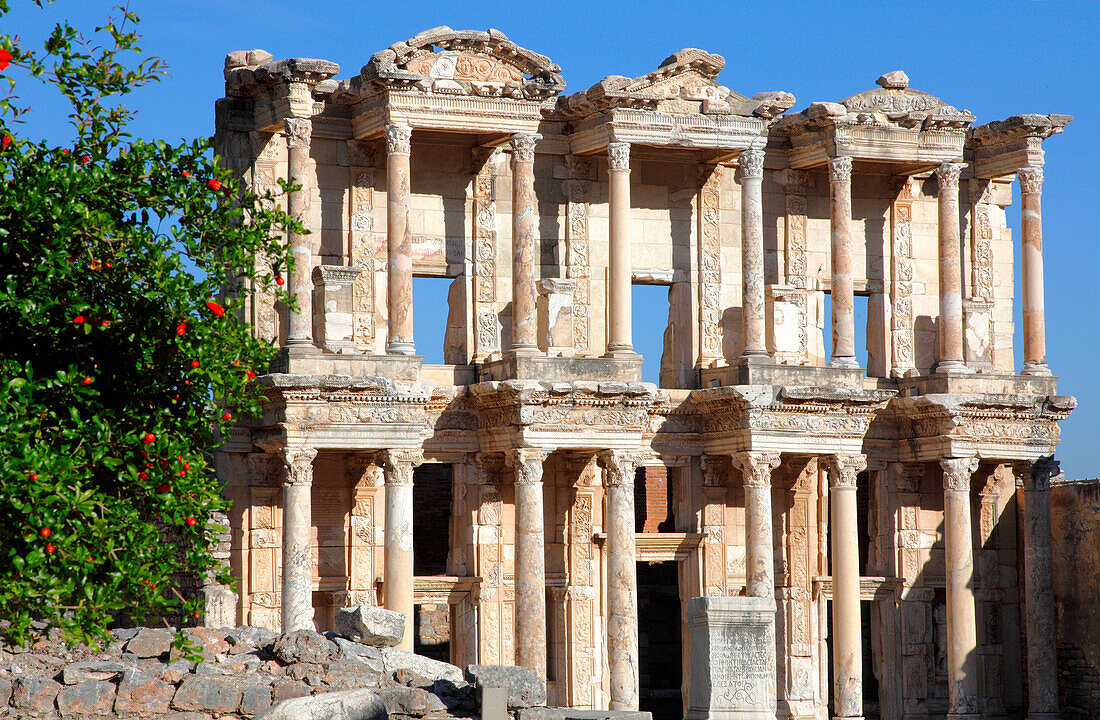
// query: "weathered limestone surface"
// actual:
[[740, 473]]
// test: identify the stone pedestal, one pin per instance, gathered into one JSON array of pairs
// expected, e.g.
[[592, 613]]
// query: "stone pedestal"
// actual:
[[732, 671], [333, 288]]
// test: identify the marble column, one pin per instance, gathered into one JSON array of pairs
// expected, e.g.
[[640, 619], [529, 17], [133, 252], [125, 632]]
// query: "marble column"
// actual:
[[752, 254], [300, 325], [297, 578], [962, 608], [951, 358], [844, 557], [756, 472], [1031, 257], [622, 579], [525, 244], [398, 241], [530, 561], [1042, 668], [843, 290], [397, 567], [620, 271]]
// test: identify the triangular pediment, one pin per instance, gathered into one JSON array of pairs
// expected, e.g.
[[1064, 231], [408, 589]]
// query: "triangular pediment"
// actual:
[[465, 62]]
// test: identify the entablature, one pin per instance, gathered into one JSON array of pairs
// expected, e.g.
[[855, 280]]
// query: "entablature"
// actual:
[[1002, 147]]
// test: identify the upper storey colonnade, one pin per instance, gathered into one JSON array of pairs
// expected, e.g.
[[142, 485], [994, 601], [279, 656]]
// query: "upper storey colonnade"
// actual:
[[505, 99]]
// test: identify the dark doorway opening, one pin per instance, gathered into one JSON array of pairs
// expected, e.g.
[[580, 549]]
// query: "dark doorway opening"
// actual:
[[659, 641], [871, 705], [432, 631], [431, 543]]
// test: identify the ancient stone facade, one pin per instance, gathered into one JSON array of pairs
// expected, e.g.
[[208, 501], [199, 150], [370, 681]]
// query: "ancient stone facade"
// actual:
[[871, 493]]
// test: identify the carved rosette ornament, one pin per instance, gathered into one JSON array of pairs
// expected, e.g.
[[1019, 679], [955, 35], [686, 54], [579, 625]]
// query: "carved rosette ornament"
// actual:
[[618, 156], [523, 147], [751, 163], [840, 169], [1035, 476], [397, 465], [1031, 180], [957, 473], [298, 465], [948, 174], [398, 139], [298, 132], [844, 469], [756, 467]]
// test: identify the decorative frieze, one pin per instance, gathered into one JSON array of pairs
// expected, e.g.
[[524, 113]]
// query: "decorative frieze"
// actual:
[[486, 329], [363, 256], [710, 265], [579, 171], [902, 274]]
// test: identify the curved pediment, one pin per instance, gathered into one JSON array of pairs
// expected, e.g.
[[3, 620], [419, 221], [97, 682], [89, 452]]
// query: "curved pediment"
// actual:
[[465, 62], [897, 102]]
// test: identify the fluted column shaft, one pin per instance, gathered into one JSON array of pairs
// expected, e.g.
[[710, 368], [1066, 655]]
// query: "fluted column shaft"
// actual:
[[619, 265], [752, 253], [844, 557], [297, 577], [1031, 255], [530, 561], [300, 325], [399, 289], [843, 290], [397, 471], [756, 472], [950, 276], [962, 608], [622, 580], [1042, 667], [525, 250]]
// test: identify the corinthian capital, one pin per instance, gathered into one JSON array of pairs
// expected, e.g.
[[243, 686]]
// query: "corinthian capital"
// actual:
[[948, 175], [840, 169], [957, 473], [752, 163], [527, 464], [297, 465], [298, 132], [1031, 180], [1036, 476], [618, 156], [397, 465], [756, 467], [620, 466], [843, 469], [398, 139], [523, 147]]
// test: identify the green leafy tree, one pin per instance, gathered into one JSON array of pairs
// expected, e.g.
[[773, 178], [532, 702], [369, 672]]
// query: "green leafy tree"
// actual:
[[123, 358]]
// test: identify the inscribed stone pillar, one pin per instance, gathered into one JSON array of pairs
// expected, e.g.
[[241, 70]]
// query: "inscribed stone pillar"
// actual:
[[397, 469], [525, 248], [752, 253], [622, 580], [300, 327], [847, 636], [297, 582], [398, 241], [843, 290], [1042, 669], [1031, 258], [951, 357], [530, 561], [619, 342], [962, 608], [756, 471]]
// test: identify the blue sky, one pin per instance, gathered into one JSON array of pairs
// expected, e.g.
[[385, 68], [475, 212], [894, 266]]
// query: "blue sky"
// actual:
[[994, 58]]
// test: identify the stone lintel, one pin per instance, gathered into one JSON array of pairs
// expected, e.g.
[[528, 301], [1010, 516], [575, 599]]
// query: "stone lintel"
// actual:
[[983, 383], [650, 127], [309, 360], [769, 373], [562, 369]]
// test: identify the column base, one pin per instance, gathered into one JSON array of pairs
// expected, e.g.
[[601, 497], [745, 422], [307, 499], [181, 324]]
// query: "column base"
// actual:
[[843, 362], [400, 348], [1035, 369], [299, 342], [952, 367], [623, 353], [523, 351]]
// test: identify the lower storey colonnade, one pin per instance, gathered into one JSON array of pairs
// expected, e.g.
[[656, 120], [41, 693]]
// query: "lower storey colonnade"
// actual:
[[543, 550]]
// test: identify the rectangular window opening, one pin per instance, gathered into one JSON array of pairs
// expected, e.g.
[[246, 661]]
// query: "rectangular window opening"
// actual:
[[649, 330], [861, 315], [438, 333]]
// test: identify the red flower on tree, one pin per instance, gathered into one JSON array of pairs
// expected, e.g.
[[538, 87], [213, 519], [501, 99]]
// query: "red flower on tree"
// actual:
[[194, 363], [227, 416], [192, 522], [5, 58], [279, 280], [213, 184], [44, 532], [86, 381], [50, 548], [78, 319], [148, 438], [215, 308], [4, 142], [181, 328]]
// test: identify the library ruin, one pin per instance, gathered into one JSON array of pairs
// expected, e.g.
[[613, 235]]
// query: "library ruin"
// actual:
[[531, 500]]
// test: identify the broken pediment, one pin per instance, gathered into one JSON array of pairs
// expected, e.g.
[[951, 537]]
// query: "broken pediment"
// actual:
[[465, 62], [894, 102], [685, 83]]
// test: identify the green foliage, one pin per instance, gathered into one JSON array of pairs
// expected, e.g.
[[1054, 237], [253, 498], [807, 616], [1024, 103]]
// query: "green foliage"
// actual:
[[118, 368]]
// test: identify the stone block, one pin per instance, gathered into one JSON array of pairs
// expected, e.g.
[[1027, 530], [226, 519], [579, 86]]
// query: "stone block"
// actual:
[[371, 625], [91, 697], [142, 692], [523, 686], [346, 705], [394, 659], [92, 670], [286, 688], [410, 701], [150, 642], [494, 703], [212, 694], [36, 694], [255, 698], [304, 646]]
